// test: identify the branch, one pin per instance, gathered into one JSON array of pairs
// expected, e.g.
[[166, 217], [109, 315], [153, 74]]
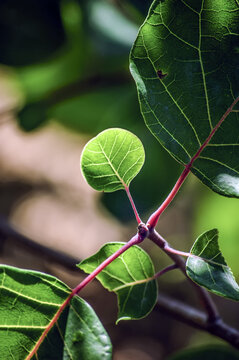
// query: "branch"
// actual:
[[7, 230], [138, 238], [213, 314], [198, 319], [136, 214]]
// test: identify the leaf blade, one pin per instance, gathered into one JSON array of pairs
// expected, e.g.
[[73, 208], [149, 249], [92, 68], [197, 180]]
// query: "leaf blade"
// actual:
[[85, 335], [28, 302], [128, 277], [186, 79], [112, 159], [208, 267]]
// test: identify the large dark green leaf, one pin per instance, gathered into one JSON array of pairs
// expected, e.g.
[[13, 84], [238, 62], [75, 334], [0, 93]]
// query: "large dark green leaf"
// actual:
[[128, 277], [185, 62], [28, 302], [209, 269]]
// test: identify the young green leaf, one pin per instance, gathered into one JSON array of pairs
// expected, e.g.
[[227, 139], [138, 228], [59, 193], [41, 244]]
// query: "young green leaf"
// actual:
[[186, 67], [85, 337], [28, 302], [209, 268], [112, 159], [127, 277]]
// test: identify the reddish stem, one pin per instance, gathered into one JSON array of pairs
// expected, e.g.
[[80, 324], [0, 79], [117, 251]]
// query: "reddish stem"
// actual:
[[132, 204], [165, 270], [135, 240], [153, 219], [213, 314], [169, 249]]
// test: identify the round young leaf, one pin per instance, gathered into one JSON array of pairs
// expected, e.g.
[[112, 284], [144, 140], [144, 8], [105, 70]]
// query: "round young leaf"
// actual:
[[28, 302], [129, 277], [185, 62], [112, 159], [209, 268]]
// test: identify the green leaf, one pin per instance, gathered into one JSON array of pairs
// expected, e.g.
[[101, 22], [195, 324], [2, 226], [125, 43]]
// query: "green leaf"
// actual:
[[85, 337], [186, 67], [212, 210], [112, 159], [209, 269], [127, 277], [28, 302]]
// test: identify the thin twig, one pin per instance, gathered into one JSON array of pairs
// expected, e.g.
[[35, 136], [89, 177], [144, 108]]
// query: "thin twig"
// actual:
[[139, 221], [209, 305]]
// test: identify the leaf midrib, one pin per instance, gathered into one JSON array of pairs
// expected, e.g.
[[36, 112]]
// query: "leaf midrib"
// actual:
[[202, 67], [112, 166], [202, 72]]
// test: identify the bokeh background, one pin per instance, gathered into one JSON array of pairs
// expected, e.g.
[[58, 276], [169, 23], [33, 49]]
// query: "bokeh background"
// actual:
[[63, 78]]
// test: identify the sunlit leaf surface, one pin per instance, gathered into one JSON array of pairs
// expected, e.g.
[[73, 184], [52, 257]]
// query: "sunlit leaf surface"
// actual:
[[112, 159], [126, 276], [209, 268], [28, 302], [185, 62]]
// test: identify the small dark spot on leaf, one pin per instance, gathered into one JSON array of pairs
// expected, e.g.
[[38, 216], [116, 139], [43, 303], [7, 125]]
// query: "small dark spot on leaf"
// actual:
[[78, 336], [161, 75]]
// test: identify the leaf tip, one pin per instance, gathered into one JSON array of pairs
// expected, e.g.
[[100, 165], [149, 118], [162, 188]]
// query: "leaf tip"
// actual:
[[122, 318]]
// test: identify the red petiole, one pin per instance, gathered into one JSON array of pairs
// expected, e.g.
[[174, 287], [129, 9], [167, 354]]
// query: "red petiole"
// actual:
[[153, 219]]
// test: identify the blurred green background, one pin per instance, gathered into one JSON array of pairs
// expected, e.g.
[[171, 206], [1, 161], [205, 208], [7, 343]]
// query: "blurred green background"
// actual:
[[63, 78]]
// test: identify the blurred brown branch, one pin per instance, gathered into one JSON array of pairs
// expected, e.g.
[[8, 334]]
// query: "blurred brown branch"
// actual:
[[8, 231], [197, 319]]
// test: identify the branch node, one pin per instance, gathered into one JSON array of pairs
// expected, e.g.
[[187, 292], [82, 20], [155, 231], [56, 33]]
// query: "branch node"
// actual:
[[143, 231]]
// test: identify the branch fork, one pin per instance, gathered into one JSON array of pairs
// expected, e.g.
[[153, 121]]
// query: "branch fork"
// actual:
[[209, 321]]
